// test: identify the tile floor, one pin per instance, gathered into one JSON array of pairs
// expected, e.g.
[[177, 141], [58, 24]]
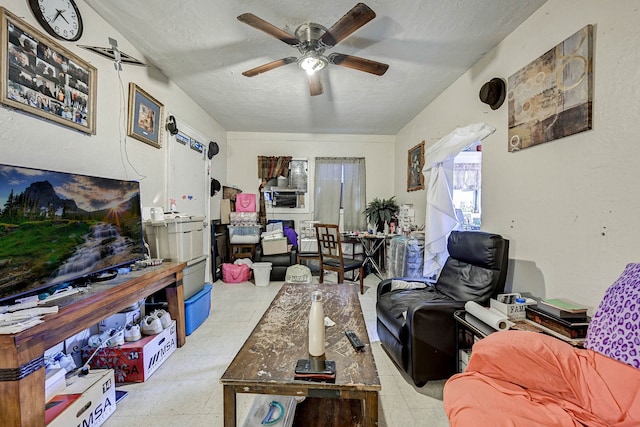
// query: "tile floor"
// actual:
[[186, 392]]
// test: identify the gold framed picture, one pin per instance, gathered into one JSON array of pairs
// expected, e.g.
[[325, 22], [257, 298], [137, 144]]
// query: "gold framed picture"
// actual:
[[42, 78], [415, 163], [144, 117]]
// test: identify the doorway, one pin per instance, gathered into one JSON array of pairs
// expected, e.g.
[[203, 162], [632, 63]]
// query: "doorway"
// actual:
[[467, 189]]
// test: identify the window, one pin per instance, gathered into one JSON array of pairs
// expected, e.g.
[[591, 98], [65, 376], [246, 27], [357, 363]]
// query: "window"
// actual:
[[288, 194]]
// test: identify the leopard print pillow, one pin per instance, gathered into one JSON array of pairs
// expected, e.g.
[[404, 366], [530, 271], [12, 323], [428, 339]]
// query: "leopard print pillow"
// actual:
[[615, 327]]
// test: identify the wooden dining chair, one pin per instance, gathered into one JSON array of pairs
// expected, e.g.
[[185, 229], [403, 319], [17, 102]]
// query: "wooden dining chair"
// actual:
[[331, 256]]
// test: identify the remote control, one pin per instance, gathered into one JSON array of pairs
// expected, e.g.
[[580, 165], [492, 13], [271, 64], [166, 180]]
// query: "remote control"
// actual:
[[355, 341]]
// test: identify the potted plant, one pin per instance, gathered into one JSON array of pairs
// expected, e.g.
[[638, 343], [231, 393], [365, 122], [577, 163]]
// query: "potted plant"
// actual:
[[381, 211]]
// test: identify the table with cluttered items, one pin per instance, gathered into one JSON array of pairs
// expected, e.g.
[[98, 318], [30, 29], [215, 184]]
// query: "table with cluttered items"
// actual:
[[373, 245], [22, 361], [513, 311]]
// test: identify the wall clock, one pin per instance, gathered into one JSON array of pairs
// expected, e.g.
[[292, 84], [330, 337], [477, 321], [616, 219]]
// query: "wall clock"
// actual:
[[60, 18]]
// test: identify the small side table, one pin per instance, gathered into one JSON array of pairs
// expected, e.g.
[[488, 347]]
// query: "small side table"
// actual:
[[242, 250], [374, 251], [469, 330]]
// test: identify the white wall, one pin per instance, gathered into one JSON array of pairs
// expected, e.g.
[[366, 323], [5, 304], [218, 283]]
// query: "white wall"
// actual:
[[29, 141], [567, 206], [245, 147]]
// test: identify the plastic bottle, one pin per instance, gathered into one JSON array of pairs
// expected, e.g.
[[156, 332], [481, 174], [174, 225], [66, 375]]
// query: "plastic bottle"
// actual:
[[316, 325]]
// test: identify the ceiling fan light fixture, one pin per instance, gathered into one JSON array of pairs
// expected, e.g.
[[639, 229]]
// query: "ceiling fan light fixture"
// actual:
[[312, 62]]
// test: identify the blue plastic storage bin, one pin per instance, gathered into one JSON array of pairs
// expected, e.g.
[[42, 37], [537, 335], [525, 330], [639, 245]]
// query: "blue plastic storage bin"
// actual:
[[197, 308]]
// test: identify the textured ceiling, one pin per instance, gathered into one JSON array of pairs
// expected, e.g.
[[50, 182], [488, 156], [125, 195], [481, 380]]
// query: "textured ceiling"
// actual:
[[203, 48]]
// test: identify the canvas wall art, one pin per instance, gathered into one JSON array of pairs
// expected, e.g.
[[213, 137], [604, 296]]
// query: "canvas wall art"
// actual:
[[552, 96]]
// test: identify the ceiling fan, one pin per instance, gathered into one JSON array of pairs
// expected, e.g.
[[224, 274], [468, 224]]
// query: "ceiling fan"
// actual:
[[312, 40]]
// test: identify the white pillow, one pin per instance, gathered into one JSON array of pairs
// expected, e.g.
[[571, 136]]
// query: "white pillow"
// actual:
[[401, 285]]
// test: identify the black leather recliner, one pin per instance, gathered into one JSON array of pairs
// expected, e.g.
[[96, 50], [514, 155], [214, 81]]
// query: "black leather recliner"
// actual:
[[416, 326]]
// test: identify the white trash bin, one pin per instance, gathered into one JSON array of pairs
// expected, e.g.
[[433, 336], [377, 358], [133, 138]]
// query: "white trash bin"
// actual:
[[261, 273]]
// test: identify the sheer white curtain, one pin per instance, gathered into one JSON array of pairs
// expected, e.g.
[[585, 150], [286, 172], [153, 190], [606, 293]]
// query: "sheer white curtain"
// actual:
[[441, 217], [340, 179], [354, 191], [328, 184]]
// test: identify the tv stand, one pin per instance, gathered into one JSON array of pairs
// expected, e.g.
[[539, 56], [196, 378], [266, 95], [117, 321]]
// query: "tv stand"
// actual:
[[22, 371]]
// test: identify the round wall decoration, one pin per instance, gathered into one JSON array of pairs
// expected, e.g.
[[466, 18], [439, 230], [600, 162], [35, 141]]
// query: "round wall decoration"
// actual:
[[60, 18]]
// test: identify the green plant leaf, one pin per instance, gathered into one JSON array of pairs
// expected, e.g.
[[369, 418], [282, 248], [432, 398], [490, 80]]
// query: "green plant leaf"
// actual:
[[380, 211]]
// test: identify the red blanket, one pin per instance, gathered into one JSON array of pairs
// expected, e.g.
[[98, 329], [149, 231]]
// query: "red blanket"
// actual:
[[518, 378]]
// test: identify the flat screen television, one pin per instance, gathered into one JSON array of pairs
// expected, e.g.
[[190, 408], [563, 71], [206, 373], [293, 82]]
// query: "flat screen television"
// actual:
[[58, 227]]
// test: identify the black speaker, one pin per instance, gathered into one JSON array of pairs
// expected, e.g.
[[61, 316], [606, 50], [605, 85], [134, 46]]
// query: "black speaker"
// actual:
[[215, 186], [213, 149], [172, 127]]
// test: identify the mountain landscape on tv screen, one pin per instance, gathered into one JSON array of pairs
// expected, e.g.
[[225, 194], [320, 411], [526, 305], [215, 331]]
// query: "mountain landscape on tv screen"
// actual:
[[57, 227]]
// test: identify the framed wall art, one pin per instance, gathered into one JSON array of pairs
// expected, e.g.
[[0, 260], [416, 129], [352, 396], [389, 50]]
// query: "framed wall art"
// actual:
[[551, 97], [146, 114], [42, 78], [415, 163]]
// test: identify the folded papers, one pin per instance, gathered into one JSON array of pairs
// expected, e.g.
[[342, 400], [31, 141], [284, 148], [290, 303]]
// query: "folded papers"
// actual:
[[13, 327], [18, 321]]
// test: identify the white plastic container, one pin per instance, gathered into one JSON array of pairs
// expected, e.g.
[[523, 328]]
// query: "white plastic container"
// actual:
[[244, 235], [261, 273], [193, 276], [178, 239]]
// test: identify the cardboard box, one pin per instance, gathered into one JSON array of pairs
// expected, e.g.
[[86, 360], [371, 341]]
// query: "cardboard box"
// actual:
[[54, 383], [514, 312], [74, 343], [274, 246], [119, 320], [225, 211], [135, 361], [86, 401]]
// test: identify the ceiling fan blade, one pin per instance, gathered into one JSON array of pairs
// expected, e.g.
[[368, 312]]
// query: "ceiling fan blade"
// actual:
[[268, 67], [315, 84], [272, 30], [357, 63], [351, 21]]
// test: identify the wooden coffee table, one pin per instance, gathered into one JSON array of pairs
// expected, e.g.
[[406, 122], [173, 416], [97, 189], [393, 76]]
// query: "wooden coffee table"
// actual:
[[265, 363]]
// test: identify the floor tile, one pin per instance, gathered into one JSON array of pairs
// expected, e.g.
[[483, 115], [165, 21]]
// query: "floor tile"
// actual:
[[186, 391]]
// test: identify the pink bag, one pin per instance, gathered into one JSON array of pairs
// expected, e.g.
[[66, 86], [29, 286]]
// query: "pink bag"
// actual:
[[245, 202], [235, 273]]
